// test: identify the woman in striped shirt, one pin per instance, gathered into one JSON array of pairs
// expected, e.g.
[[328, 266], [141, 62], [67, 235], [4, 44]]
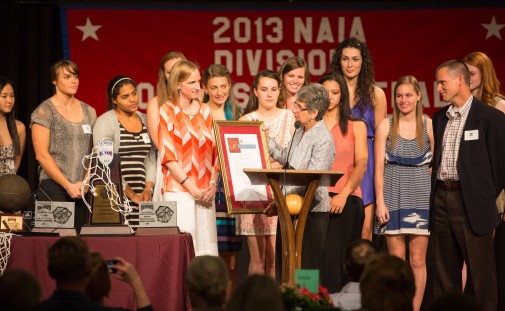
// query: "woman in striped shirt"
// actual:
[[126, 127]]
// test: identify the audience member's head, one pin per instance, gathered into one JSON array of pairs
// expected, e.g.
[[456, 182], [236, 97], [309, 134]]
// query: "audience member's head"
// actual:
[[453, 301], [98, 286], [207, 282], [69, 261], [387, 284], [19, 290], [256, 292], [356, 256]]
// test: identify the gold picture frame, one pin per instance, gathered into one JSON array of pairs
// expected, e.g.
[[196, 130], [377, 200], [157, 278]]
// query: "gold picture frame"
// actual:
[[242, 144]]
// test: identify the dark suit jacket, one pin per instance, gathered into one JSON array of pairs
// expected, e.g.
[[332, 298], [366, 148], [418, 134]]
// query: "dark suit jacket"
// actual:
[[481, 167]]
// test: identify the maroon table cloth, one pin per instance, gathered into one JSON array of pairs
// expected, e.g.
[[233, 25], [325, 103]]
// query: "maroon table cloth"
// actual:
[[161, 262]]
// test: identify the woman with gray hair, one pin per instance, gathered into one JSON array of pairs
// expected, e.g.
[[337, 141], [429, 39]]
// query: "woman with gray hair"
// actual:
[[312, 149]]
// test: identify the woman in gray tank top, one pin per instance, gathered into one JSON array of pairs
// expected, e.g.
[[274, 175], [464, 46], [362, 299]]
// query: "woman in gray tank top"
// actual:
[[62, 136]]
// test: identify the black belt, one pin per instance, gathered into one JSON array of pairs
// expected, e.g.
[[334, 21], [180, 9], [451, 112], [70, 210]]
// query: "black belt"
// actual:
[[448, 184]]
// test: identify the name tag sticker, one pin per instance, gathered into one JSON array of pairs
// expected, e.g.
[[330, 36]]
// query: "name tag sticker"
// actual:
[[146, 138], [472, 135], [86, 128]]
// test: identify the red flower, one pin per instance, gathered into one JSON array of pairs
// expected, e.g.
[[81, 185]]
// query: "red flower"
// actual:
[[315, 297], [304, 291], [323, 290], [294, 296]]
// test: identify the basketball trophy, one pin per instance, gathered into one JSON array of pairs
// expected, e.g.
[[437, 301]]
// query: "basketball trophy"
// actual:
[[107, 204]]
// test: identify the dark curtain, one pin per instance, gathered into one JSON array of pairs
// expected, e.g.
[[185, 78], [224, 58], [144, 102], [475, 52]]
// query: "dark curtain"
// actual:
[[31, 42]]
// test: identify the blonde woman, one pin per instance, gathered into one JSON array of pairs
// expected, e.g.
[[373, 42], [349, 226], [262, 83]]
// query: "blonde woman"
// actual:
[[188, 157], [403, 152]]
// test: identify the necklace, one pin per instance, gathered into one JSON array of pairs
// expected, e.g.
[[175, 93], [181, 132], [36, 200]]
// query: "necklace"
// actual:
[[190, 109]]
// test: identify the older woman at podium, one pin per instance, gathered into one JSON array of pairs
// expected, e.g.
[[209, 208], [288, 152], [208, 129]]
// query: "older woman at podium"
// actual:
[[312, 148]]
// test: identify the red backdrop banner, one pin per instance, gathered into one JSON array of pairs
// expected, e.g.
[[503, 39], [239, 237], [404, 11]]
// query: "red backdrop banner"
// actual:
[[109, 42]]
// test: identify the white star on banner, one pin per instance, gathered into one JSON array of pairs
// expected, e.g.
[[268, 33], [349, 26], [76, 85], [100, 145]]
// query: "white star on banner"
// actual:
[[493, 29], [89, 30]]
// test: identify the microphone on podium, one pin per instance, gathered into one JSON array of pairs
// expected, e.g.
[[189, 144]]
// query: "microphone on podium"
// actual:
[[286, 166]]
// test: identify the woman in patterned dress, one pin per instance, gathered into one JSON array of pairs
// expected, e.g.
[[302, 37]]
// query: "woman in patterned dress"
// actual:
[[189, 157], [403, 151], [353, 60], [126, 127], [263, 106], [12, 131]]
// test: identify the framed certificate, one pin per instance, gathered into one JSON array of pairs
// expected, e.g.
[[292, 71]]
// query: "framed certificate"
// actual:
[[242, 144]]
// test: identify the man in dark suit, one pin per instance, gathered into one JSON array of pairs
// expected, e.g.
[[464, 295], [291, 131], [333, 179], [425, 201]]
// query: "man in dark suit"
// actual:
[[467, 177]]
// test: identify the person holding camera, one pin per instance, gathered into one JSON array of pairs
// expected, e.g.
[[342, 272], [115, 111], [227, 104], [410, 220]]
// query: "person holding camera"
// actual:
[[70, 265]]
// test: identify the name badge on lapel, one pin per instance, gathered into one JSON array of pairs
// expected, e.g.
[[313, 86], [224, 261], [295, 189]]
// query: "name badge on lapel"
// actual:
[[145, 138], [472, 135], [86, 128]]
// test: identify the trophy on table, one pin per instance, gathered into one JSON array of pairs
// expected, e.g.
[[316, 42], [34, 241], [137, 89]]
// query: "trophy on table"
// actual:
[[105, 197]]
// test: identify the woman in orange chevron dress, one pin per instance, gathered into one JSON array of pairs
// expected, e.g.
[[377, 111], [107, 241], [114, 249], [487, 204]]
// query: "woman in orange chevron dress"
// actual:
[[189, 158]]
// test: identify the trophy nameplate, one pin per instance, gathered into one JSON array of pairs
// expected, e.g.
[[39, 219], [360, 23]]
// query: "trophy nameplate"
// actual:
[[103, 209], [11, 222], [158, 214], [54, 214]]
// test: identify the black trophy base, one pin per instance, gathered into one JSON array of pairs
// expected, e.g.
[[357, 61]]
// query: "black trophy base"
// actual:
[[105, 230], [157, 231]]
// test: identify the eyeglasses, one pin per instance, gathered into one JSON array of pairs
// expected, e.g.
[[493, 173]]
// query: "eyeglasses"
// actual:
[[298, 108]]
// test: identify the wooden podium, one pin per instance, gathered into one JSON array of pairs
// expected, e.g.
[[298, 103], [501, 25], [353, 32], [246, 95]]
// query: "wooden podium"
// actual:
[[292, 236]]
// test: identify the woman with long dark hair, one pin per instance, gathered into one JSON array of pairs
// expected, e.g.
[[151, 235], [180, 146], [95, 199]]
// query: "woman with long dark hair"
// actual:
[[12, 131], [353, 60], [346, 206]]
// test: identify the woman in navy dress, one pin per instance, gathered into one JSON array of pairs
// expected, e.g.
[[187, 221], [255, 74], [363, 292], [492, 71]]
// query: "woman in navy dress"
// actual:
[[403, 151]]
